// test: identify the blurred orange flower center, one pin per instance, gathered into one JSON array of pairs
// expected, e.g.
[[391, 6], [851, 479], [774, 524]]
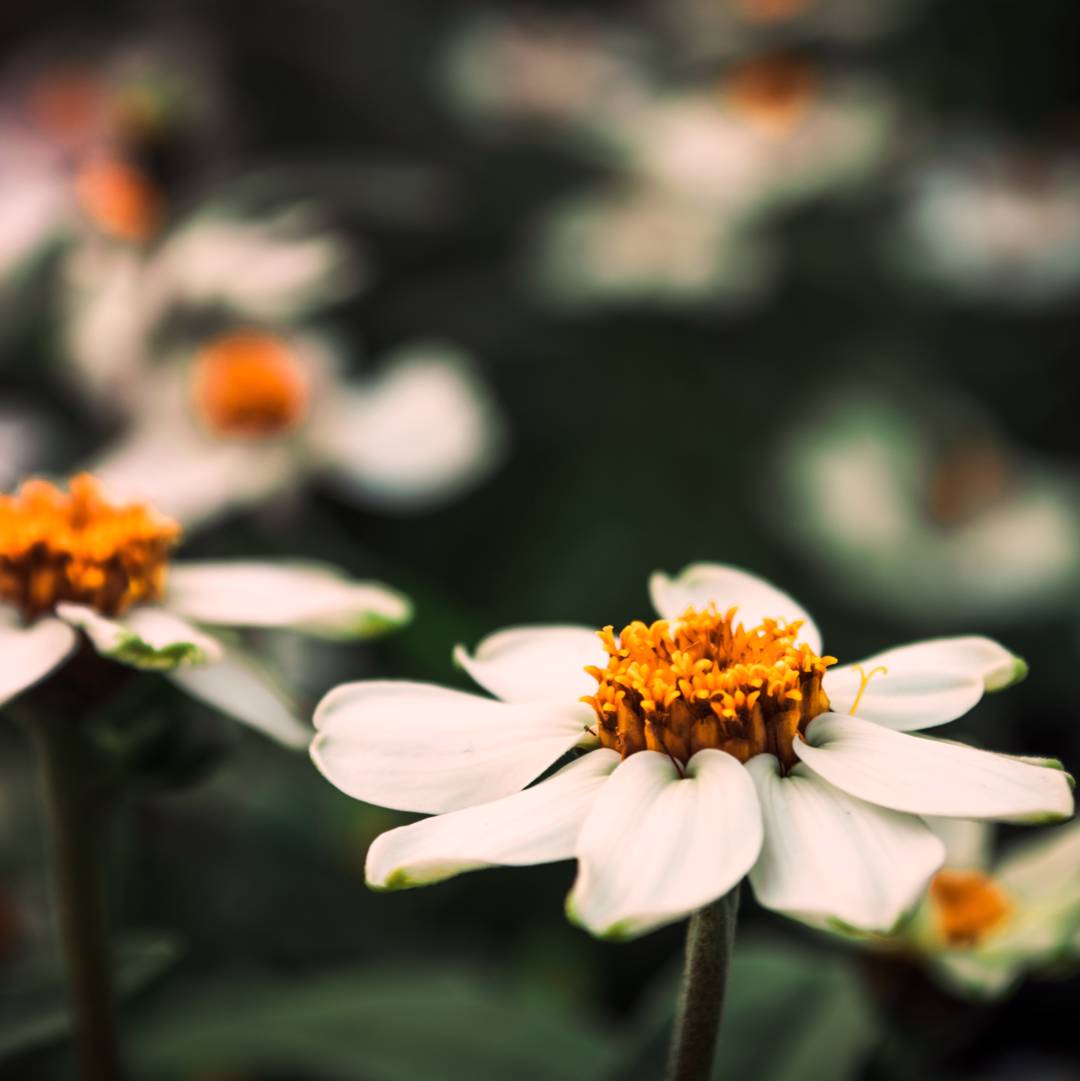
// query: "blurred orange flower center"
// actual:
[[250, 384], [118, 198], [771, 11], [967, 906], [707, 681], [773, 93], [76, 546]]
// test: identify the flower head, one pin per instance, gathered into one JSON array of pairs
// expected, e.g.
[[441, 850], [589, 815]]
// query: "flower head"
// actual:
[[77, 560], [76, 546], [719, 741], [986, 919]]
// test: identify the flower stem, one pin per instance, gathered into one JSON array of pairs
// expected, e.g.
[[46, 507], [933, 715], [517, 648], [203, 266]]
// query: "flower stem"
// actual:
[[709, 941], [76, 809]]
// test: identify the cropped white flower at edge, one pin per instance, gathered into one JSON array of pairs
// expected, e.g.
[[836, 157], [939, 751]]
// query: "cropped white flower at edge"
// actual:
[[75, 561], [985, 921], [719, 743]]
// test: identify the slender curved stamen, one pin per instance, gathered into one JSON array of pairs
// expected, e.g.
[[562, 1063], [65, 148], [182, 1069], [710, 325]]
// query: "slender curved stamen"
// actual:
[[865, 677]]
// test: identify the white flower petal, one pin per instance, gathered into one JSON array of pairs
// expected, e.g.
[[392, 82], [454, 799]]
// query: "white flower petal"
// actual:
[[28, 654], [827, 855], [904, 700], [925, 683], [656, 847], [190, 476], [237, 686], [419, 434], [146, 637], [1045, 867], [418, 747], [926, 776], [535, 664], [539, 825], [304, 596], [701, 584]]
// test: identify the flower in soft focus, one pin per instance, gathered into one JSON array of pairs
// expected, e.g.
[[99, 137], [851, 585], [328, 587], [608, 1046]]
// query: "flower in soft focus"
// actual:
[[123, 309], [770, 130], [995, 223], [208, 347], [924, 507], [704, 169], [639, 244], [547, 70], [720, 741], [984, 922], [91, 140], [252, 413], [74, 561]]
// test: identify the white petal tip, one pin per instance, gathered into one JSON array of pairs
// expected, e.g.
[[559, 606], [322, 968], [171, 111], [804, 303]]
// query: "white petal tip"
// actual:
[[1009, 676]]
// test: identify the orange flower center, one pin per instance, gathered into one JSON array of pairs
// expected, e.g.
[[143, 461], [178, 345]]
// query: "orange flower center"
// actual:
[[967, 906], [771, 11], [247, 383], [706, 681], [118, 198], [773, 93], [76, 546]]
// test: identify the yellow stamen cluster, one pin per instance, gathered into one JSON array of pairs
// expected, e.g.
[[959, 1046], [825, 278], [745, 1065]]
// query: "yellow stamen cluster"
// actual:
[[707, 681], [76, 546], [248, 383], [967, 906]]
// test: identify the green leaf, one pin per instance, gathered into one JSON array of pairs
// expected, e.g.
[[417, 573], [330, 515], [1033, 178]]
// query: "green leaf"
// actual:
[[371, 1024], [792, 1014], [33, 996]]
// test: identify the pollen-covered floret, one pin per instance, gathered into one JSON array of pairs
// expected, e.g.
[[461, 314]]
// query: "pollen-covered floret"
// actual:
[[705, 681], [77, 546]]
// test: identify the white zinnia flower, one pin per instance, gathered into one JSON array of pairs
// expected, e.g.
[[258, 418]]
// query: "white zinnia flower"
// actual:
[[76, 561], [984, 922], [716, 749]]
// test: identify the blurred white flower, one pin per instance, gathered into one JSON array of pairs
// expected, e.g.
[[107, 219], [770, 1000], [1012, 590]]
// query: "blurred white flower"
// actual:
[[703, 171], [714, 749], [253, 413], [550, 71], [995, 223], [76, 561], [926, 510], [985, 922], [641, 244], [770, 131]]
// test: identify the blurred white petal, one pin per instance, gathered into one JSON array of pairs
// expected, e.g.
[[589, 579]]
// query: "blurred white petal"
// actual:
[[304, 596], [29, 654], [420, 433]]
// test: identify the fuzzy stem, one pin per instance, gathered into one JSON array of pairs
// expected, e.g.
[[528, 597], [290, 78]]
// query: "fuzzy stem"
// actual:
[[77, 811], [709, 941]]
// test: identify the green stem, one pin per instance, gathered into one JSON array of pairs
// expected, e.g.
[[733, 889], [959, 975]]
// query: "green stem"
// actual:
[[77, 811], [709, 942]]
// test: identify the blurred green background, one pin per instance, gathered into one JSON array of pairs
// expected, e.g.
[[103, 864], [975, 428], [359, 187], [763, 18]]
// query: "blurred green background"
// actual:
[[647, 429]]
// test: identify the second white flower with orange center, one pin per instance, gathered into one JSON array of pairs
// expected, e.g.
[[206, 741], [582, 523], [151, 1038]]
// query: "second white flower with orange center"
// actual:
[[720, 743]]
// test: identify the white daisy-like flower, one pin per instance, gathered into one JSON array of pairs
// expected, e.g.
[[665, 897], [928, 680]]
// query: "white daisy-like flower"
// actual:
[[985, 921], [994, 222], [254, 413], [720, 743], [74, 562], [924, 507]]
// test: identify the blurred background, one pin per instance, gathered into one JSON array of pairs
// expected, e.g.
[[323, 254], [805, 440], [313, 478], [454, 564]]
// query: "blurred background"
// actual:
[[536, 299]]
